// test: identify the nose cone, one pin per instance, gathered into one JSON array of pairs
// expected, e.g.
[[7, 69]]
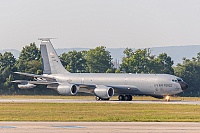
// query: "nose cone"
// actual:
[[183, 85]]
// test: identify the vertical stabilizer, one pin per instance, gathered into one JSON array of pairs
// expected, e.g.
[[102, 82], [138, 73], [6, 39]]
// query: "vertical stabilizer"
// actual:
[[51, 62]]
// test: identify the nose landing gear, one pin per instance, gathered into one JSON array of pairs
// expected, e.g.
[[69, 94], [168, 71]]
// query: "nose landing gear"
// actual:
[[125, 98]]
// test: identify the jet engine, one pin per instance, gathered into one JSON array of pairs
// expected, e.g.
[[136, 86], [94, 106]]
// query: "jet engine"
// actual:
[[104, 92], [26, 86], [67, 89]]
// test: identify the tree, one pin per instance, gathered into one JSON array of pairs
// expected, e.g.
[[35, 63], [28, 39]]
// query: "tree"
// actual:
[[136, 62], [141, 61], [7, 59], [128, 52], [30, 52], [98, 60], [74, 61], [30, 60], [165, 63], [189, 70], [7, 62]]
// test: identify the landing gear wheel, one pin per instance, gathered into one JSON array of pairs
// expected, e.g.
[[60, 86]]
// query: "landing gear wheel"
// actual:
[[125, 98], [121, 97], [128, 98], [97, 98]]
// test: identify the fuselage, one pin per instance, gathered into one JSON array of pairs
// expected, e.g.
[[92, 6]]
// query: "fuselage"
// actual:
[[133, 84]]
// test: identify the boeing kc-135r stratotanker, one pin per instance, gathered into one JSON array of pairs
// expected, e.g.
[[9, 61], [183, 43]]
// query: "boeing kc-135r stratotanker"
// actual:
[[102, 85]]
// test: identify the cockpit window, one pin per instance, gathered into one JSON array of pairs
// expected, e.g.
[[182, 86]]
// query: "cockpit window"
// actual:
[[179, 79], [174, 80]]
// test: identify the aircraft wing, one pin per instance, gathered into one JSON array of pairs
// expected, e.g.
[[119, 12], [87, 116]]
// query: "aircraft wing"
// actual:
[[36, 76], [89, 88], [38, 80], [35, 82]]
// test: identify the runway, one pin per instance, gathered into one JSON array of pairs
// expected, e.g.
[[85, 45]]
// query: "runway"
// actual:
[[99, 127], [93, 101]]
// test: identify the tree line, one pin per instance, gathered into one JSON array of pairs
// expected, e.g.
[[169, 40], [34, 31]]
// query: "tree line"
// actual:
[[97, 60]]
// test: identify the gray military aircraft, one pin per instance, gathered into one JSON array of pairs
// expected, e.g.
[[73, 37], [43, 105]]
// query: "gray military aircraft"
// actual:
[[102, 85]]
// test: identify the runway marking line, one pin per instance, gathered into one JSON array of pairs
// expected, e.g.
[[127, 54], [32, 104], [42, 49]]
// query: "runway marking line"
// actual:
[[3, 127], [70, 127]]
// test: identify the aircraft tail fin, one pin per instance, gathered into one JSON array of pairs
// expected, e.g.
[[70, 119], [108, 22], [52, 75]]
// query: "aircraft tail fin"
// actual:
[[50, 61]]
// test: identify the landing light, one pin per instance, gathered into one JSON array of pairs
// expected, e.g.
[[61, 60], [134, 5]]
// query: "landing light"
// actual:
[[167, 98]]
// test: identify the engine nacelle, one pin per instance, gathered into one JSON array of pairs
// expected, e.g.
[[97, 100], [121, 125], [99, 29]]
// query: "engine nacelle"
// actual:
[[104, 92], [26, 86], [67, 89]]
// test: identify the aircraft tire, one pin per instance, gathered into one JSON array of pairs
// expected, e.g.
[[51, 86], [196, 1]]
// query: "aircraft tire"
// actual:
[[128, 98], [121, 97], [97, 98], [131, 98]]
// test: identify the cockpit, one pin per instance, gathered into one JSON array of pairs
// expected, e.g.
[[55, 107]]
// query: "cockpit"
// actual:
[[183, 85]]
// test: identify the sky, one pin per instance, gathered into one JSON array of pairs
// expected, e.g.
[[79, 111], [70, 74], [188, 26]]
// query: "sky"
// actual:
[[92, 23]]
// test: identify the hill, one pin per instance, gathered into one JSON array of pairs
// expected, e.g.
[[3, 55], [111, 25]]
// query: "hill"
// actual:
[[176, 52]]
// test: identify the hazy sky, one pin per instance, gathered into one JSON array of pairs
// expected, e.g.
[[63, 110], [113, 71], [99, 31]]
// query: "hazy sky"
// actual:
[[91, 23]]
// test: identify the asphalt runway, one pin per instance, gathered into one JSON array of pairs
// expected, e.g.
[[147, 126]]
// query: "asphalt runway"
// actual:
[[93, 101], [99, 127]]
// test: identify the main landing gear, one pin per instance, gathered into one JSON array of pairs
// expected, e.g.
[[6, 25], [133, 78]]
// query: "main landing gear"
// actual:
[[125, 98]]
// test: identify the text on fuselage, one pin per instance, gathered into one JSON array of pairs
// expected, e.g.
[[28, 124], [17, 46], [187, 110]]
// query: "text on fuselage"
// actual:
[[162, 85]]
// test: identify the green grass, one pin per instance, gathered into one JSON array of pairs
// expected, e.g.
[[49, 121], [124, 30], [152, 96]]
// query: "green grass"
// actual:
[[104, 112]]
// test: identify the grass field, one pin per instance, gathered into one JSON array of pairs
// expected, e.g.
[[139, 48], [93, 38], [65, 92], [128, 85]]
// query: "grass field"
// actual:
[[105, 112]]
